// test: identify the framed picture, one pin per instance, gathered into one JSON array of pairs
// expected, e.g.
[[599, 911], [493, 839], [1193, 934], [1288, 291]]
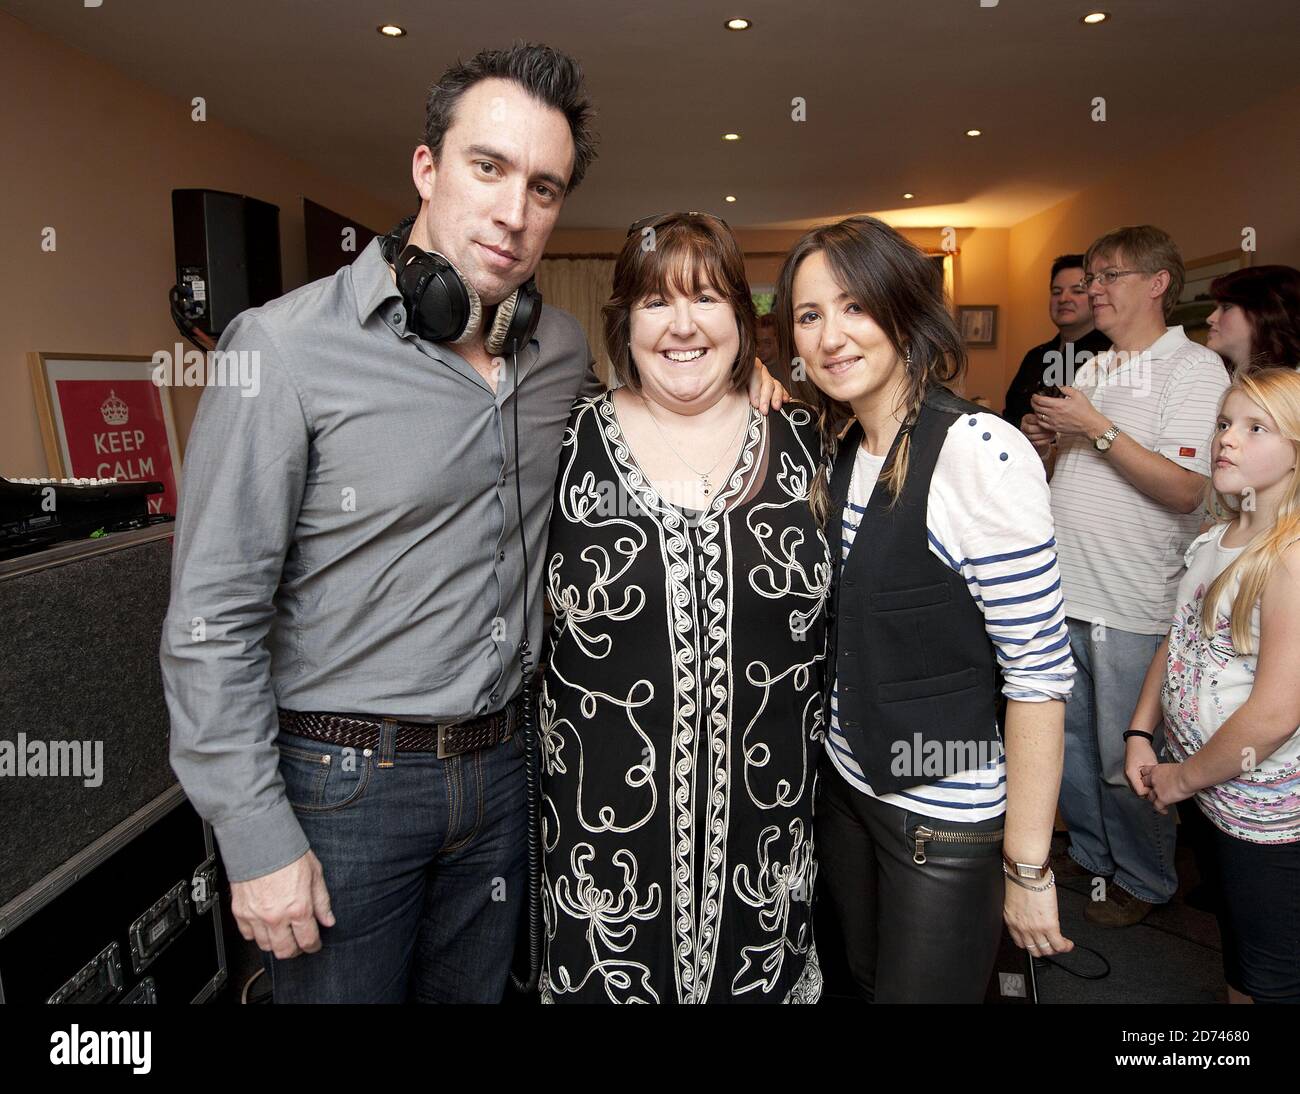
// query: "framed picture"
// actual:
[[1195, 302], [105, 418], [979, 324]]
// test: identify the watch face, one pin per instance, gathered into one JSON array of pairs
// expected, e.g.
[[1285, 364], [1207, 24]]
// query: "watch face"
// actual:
[[1102, 443]]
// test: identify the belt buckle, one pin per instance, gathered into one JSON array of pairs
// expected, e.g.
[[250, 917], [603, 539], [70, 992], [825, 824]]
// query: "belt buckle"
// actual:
[[444, 729], [443, 754]]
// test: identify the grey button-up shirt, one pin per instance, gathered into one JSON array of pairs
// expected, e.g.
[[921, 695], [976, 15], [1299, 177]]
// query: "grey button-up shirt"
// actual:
[[348, 539]]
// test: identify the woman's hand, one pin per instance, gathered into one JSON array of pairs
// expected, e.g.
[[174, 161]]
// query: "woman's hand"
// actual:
[[1138, 754], [1033, 921], [1040, 437], [1167, 785], [765, 390]]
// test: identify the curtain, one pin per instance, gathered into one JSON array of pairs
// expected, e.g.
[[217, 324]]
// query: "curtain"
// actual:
[[581, 286]]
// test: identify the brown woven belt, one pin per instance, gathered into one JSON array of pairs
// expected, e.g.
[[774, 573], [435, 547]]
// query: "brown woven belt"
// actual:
[[357, 731]]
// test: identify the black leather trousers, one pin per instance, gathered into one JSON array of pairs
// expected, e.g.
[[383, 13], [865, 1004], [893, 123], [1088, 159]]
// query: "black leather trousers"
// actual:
[[924, 932]]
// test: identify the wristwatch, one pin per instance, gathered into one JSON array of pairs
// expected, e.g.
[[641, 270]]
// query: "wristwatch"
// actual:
[[1106, 439], [1025, 870]]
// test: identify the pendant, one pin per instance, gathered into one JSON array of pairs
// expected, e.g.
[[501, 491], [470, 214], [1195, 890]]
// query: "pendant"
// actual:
[[708, 486]]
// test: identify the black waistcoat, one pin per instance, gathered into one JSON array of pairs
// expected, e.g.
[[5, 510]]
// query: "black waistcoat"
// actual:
[[914, 663]]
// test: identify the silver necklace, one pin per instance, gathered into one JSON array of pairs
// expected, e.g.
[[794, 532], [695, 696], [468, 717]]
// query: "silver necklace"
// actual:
[[706, 482]]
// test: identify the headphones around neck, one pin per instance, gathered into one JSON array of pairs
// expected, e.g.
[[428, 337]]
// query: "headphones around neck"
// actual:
[[441, 306]]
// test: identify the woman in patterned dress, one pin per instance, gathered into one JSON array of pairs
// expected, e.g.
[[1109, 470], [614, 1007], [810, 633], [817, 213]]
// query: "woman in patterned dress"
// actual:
[[680, 715]]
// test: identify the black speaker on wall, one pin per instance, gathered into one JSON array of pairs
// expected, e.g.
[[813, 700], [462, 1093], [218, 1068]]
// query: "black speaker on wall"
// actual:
[[227, 255]]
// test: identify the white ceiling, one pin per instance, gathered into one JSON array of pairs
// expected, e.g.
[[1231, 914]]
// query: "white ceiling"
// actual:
[[890, 87]]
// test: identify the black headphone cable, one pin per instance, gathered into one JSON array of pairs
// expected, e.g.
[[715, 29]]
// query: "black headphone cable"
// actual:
[[528, 729]]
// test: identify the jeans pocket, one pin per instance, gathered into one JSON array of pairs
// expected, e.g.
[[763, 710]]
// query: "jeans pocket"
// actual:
[[322, 778]]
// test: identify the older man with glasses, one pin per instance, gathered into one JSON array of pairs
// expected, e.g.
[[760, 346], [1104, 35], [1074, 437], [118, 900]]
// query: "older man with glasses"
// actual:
[[1127, 448]]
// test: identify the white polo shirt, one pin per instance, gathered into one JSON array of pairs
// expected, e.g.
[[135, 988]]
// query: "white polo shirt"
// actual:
[[1121, 552]]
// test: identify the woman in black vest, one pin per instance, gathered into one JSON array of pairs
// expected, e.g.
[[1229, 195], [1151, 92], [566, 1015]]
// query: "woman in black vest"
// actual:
[[946, 589]]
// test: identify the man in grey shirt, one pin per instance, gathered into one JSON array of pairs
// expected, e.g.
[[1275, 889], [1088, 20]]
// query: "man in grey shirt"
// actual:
[[348, 544]]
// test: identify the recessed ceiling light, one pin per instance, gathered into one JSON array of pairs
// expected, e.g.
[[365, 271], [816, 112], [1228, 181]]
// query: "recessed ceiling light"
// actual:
[[738, 24], [391, 30], [731, 136], [1095, 17], [972, 132], [908, 197], [730, 197]]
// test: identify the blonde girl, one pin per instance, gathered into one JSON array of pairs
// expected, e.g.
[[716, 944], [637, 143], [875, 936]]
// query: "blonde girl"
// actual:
[[1227, 678]]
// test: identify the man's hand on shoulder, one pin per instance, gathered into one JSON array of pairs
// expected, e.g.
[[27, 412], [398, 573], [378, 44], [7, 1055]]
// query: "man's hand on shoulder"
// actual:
[[765, 390], [280, 910]]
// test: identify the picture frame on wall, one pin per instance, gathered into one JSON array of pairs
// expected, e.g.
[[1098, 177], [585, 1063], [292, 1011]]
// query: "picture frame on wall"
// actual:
[[978, 324], [104, 417]]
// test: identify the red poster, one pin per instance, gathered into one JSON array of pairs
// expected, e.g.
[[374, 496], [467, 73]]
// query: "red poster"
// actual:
[[115, 429]]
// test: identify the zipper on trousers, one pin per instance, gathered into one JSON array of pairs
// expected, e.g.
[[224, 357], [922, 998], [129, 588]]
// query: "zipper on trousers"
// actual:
[[923, 835]]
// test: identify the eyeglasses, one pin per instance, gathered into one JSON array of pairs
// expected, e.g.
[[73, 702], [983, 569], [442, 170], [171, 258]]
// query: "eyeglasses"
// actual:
[[1108, 277], [660, 218]]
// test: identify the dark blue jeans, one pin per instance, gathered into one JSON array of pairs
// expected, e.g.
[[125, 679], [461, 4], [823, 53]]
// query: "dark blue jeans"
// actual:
[[424, 860], [1113, 832]]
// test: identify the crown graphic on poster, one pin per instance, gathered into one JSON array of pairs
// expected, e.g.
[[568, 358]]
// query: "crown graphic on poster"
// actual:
[[114, 409]]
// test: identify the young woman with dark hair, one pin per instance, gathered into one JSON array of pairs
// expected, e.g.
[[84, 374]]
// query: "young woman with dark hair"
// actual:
[[1257, 320], [938, 519]]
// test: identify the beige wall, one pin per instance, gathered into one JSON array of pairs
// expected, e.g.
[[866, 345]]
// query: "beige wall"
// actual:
[[980, 277], [95, 154], [1203, 191]]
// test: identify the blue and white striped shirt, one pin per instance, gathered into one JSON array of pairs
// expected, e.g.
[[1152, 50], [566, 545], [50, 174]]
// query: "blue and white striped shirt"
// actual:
[[989, 517]]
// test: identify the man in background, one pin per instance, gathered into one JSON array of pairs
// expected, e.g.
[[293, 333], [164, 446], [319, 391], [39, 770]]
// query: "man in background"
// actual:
[[767, 347], [1128, 485], [1076, 336]]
